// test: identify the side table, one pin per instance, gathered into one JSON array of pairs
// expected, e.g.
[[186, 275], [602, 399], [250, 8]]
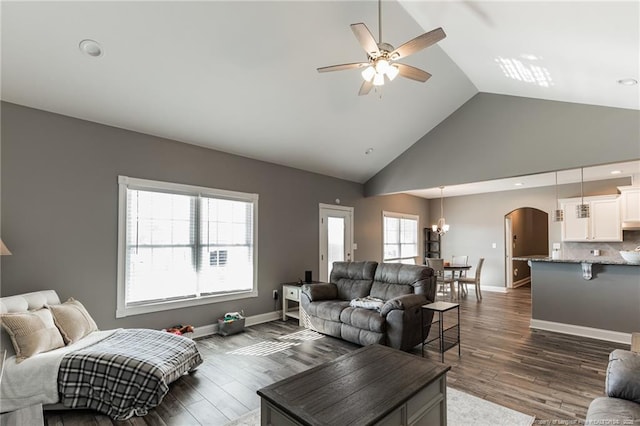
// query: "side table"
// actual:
[[291, 292], [447, 337]]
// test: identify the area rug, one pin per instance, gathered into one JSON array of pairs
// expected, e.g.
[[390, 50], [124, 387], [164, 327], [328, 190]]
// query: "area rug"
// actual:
[[462, 410]]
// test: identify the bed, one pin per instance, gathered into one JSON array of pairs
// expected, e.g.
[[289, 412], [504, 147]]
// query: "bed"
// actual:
[[120, 373]]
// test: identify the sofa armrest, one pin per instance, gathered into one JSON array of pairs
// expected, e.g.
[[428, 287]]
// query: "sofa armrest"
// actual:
[[321, 291], [403, 302], [623, 375]]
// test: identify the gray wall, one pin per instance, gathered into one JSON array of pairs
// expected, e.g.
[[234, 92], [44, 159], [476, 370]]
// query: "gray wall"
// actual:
[[369, 221], [59, 211], [477, 221], [515, 136]]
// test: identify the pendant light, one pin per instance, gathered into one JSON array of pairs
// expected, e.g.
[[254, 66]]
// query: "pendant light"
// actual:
[[558, 213], [582, 209], [441, 227]]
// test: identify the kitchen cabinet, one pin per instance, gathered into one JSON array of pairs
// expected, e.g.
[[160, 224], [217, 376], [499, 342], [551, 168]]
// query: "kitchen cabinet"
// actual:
[[630, 203], [603, 223]]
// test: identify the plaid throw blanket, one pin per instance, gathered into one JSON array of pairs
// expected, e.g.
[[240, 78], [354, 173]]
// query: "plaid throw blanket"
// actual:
[[127, 373]]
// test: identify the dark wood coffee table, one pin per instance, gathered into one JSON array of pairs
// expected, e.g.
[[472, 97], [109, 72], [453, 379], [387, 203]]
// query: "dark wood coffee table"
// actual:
[[375, 385]]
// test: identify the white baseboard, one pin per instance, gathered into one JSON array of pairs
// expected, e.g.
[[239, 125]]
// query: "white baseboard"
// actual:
[[210, 329], [262, 318], [578, 330]]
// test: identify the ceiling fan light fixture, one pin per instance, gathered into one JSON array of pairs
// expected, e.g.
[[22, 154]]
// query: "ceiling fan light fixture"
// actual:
[[380, 56], [392, 72], [368, 73], [382, 65]]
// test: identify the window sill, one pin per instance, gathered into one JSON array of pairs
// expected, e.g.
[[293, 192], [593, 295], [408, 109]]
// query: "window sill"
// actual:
[[125, 311]]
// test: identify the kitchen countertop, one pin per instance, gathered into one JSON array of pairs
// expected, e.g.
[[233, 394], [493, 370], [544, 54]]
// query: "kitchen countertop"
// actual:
[[598, 260]]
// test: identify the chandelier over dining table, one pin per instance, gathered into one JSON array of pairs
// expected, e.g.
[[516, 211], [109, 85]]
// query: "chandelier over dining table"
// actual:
[[441, 227]]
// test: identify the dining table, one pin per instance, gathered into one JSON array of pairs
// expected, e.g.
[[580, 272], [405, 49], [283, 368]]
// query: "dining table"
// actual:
[[459, 269]]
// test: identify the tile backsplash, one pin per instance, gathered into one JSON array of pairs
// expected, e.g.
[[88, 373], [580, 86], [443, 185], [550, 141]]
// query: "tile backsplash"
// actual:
[[631, 240]]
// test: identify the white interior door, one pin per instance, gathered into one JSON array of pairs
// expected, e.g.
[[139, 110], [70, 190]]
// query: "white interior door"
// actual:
[[336, 237]]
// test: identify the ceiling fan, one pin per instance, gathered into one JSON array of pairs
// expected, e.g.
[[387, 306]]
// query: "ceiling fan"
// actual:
[[381, 57]]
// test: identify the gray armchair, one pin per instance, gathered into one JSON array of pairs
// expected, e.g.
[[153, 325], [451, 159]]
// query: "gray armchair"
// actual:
[[622, 386]]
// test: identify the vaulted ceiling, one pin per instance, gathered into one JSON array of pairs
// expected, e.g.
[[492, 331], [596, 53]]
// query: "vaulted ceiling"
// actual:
[[241, 76]]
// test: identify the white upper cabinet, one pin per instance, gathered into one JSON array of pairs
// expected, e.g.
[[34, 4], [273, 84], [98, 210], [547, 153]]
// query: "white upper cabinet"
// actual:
[[603, 223], [630, 200]]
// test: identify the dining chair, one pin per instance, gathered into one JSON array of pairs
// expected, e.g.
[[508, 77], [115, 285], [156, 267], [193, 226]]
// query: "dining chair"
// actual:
[[475, 280], [460, 260], [438, 268]]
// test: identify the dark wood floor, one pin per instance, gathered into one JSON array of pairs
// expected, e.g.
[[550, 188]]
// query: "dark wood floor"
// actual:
[[548, 375]]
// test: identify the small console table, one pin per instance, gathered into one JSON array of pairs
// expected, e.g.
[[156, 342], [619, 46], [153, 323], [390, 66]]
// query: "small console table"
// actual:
[[447, 337], [374, 385]]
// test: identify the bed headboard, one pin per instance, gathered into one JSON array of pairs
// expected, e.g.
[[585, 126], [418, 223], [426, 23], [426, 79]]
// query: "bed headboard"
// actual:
[[23, 303]]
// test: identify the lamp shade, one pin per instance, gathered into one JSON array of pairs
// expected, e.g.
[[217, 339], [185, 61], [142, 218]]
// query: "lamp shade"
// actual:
[[392, 72], [368, 73], [4, 251]]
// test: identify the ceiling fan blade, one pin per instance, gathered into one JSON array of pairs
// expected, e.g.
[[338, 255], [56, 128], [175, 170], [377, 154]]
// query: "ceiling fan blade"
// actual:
[[365, 88], [418, 43], [343, 67], [365, 38], [413, 73]]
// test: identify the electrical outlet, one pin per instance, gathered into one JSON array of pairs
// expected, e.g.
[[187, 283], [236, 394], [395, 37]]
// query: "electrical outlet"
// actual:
[[275, 294]]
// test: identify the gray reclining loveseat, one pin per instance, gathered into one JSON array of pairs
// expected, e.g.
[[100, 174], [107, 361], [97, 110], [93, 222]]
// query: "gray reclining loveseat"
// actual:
[[402, 288]]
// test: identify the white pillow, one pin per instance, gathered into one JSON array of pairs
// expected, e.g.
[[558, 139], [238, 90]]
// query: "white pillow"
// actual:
[[73, 320], [31, 332]]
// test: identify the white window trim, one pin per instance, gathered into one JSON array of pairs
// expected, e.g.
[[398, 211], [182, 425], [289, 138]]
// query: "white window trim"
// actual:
[[125, 182], [401, 216]]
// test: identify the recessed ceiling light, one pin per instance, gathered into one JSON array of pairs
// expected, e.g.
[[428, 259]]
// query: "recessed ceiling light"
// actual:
[[616, 172], [529, 57], [628, 81], [90, 47], [518, 184], [368, 151]]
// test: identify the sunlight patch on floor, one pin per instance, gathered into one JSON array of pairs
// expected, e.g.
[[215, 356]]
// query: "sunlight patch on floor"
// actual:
[[264, 348], [303, 335]]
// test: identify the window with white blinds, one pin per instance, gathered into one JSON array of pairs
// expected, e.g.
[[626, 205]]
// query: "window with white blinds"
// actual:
[[400, 237], [181, 245]]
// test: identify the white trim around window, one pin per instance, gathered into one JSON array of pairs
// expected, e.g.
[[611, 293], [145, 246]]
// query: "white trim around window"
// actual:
[[192, 226], [400, 237]]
